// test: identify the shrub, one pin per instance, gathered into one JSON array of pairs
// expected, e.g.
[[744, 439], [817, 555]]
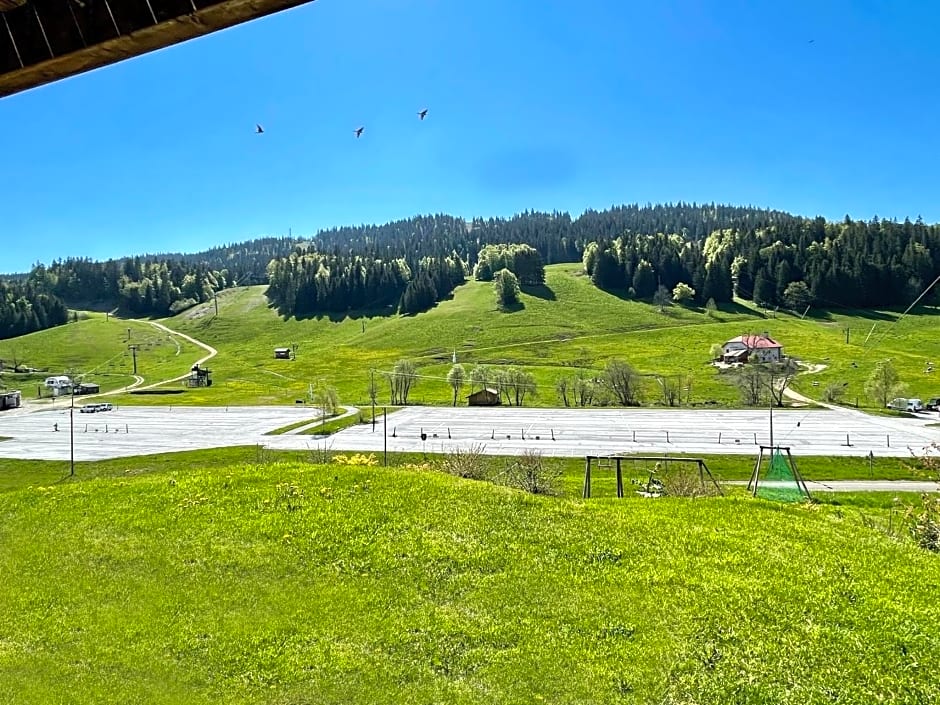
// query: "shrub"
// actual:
[[833, 392], [471, 463], [683, 293], [685, 482], [924, 523], [181, 305], [529, 474]]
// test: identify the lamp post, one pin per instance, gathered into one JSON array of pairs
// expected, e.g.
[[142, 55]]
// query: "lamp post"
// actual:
[[72, 436], [771, 420]]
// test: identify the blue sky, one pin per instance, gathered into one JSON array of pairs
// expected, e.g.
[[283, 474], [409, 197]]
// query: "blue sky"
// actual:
[[541, 105]]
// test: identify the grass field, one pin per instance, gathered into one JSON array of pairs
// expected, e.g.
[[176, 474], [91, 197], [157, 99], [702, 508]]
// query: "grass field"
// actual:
[[566, 326], [290, 583], [96, 349], [23, 474]]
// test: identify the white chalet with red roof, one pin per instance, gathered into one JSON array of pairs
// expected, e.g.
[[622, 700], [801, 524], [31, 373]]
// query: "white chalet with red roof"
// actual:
[[754, 348]]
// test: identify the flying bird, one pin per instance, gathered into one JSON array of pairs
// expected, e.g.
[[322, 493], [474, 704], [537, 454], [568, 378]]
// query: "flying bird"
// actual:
[[811, 41], [259, 130], [423, 113], [359, 131]]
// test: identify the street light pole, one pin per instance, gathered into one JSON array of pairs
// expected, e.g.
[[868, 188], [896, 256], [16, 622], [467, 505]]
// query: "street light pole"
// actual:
[[72, 437], [771, 420], [372, 395]]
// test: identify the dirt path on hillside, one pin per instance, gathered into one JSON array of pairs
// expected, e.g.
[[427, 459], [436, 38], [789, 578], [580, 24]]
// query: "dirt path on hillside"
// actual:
[[212, 352], [792, 395], [139, 381]]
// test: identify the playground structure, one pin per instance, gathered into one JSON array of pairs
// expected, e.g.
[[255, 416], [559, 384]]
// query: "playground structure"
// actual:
[[660, 464], [782, 481], [199, 377]]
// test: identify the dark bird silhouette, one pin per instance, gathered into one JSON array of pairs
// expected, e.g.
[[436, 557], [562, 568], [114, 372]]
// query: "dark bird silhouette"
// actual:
[[259, 130], [423, 113], [359, 131], [811, 41]]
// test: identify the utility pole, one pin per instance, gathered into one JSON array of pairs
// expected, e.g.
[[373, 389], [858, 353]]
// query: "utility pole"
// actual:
[[771, 419], [385, 433], [133, 349], [847, 335], [72, 437], [372, 395]]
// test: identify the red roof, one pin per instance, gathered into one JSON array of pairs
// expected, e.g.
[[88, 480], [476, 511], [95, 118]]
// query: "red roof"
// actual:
[[756, 342]]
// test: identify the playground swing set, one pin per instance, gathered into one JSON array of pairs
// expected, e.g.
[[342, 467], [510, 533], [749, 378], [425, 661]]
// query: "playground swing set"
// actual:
[[775, 475], [654, 468]]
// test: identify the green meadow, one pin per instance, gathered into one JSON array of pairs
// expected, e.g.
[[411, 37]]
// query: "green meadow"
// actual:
[[564, 328], [237, 577], [95, 349]]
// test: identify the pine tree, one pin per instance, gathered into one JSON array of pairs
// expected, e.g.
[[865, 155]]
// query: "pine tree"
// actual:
[[763, 290], [644, 280]]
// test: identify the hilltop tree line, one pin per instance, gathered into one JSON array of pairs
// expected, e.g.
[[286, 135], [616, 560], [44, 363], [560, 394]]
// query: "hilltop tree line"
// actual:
[[143, 288], [309, 282], [792, 262], [25, 309], [771, 257]]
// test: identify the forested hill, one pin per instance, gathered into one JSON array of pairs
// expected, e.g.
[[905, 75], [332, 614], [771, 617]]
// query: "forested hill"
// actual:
[[412, 263], [558, 236], [246, 262]]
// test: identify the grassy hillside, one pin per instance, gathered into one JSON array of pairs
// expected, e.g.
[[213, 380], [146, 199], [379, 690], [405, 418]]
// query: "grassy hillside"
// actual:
[[566, 325], [292, 584], [97, 348], [560, 328]]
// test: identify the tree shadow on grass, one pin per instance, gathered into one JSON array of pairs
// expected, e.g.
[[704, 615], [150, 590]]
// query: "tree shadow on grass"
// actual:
[[739, 309], [511, 308], [539, 291]]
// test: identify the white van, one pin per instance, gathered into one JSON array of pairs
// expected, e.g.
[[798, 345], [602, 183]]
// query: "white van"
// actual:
[[58, 381], [902, 404]]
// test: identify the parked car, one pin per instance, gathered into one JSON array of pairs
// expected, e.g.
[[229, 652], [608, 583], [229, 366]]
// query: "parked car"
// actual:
[[933, 404], [89, 409], [105, 406]]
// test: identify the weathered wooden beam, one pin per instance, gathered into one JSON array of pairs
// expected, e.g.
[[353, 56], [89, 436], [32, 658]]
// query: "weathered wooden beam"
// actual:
[[209, 19]]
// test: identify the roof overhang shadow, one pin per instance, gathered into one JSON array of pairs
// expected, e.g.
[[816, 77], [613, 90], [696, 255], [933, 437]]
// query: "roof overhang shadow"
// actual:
[[46, 40]]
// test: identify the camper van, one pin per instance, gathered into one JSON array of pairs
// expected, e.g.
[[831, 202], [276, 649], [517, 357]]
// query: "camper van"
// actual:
[[902, 404], [58, 381]]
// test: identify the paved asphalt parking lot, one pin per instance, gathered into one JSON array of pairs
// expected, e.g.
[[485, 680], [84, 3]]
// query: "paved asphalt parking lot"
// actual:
[[129, 431]]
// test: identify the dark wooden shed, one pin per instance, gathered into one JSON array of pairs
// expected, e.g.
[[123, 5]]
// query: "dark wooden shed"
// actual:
[[484, 397]]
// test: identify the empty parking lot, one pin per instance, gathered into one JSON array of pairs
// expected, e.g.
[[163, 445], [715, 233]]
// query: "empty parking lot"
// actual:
[[130, 431]]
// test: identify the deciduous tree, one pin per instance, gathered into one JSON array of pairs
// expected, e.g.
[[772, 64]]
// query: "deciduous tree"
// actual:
[[455, 378], [884, 383]]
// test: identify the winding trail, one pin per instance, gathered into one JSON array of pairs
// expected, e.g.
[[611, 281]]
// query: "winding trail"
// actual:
[[212, 352], [139, 381], [793, 395]]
